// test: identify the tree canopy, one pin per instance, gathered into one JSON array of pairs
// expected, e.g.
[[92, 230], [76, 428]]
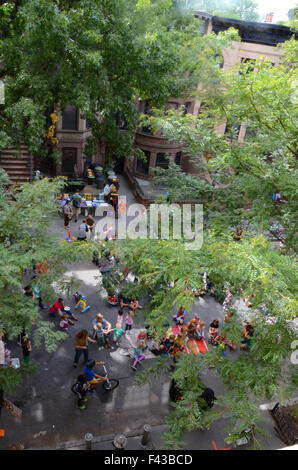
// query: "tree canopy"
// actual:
[[235, 183], [100, 56], [26, 239]]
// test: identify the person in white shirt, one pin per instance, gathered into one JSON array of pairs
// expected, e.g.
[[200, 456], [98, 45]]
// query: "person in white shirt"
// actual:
[[106, 192]]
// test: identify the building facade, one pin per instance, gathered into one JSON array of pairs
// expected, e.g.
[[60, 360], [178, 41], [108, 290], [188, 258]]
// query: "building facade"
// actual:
[[72, 130], [257, 40]]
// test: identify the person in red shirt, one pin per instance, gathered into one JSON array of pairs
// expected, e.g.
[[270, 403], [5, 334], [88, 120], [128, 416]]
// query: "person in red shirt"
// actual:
[[42, 267], [58, 306]]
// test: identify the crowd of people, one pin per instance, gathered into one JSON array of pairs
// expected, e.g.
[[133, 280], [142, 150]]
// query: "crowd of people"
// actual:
[[72, 206], [174, 341]]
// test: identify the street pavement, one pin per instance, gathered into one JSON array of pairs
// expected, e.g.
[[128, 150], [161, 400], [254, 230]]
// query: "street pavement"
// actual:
[[50, 415]]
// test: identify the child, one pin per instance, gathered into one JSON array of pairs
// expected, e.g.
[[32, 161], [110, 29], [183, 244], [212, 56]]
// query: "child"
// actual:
[[156, 348], [179, 318], [64, 322], [128, 322], [177, 349], [183, 332], [118, 332], [124, 301], [93, 379], [180, 339], [37, 291], [213, 330], [26, 346], [112, 300], [201, 330], [191, 330], [138, 355], [142, 336], [169, 343], [100, 336], [134, 305], [247, 337], [80, 388], [120, 317], [70, 316], [195, 320]]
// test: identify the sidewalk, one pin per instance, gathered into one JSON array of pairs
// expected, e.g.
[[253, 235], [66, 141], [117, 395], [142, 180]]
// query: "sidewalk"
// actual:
[[212, 439]]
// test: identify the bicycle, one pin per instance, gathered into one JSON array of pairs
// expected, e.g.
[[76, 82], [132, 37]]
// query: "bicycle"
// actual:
[[109, 384]]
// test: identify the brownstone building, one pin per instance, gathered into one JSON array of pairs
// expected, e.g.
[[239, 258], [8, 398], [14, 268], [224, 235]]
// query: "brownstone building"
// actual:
[[257, 39], [72, 130]]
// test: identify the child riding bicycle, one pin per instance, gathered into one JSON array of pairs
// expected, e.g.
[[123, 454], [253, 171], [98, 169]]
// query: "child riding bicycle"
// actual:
[[93, 379]]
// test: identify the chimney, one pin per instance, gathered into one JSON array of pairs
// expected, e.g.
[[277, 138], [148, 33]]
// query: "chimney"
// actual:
[[269, 18]]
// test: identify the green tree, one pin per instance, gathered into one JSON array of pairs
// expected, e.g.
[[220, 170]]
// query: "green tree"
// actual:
[[100, 56], [26, 238], [235, 182]]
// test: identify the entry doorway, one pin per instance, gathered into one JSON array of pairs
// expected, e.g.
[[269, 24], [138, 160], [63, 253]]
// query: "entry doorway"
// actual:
[[69, 160]]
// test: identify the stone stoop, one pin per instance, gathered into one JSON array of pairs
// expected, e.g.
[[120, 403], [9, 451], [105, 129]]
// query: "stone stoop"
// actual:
[[15, 164]]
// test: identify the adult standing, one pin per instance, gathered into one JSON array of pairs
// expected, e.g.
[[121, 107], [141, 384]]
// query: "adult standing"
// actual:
[[76, 202], [81, 346], [42, 267], [67, 214]]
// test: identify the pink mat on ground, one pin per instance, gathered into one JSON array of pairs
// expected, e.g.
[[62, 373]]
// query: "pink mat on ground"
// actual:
[[195, 346]]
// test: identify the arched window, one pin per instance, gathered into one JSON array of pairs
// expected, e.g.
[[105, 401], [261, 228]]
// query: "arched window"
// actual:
[[70, 118]]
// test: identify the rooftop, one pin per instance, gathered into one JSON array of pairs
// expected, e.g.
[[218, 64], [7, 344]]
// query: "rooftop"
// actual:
[[251, 31]]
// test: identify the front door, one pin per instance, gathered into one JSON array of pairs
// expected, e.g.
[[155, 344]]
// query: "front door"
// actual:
[[69, 160]]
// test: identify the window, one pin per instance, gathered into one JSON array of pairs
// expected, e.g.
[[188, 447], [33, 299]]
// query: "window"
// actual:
[[247, 65], [162, 161], [142, 166], [178, 158], [70, 118]]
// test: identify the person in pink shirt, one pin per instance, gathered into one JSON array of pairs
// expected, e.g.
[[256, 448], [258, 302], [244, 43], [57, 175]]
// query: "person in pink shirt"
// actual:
[[120, 317], [128, 322]]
